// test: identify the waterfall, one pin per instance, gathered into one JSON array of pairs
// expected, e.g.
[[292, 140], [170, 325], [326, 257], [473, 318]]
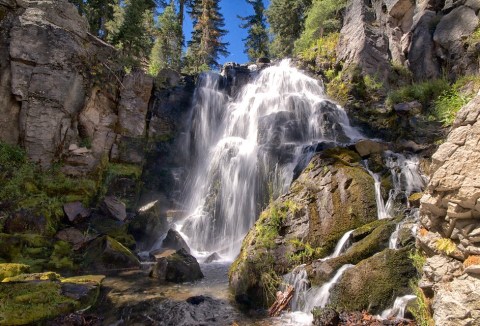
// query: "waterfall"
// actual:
[[382, 211], [298, 278], [399, 307], [318, 296], [341, 246], [245, 147]]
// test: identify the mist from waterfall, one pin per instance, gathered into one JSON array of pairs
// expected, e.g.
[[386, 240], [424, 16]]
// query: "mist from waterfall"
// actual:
[[245, 150]]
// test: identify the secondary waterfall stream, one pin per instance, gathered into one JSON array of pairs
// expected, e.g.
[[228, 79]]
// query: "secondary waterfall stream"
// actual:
[[246, 149]]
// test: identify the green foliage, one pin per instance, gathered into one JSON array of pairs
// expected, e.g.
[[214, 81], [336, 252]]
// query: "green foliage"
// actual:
[[26, 186], [131, 31], [418, 260], [452, 100], [11, 270], [446, 245], [286, 19], [305, 252], [421, 311], [256, 43], [322, 19], [322, 53], [424, 92], [167, 50]]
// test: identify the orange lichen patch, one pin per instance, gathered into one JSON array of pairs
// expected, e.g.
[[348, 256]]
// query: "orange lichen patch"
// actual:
[[471, 260], [423, 232]]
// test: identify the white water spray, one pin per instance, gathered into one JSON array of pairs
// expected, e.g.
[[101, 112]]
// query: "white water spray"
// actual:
[[399, 307]]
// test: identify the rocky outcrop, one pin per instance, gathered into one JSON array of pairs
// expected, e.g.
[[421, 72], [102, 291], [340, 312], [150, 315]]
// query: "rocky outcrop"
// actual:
[[421, 35], [449, 217], [334, 194]]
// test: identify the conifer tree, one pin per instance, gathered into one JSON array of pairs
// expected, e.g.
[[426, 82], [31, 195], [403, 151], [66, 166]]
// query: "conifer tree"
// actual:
[[167, 50], [256, 43], [132, 30], [206, 44], [286, 18]]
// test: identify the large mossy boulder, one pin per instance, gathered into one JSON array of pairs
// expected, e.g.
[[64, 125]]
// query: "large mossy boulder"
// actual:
[[34, 298], [11, 270], [333, 195], [374, 283], [105, 254]]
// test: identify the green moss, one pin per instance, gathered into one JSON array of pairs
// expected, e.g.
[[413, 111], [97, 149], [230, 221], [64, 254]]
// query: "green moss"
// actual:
[[41, 192], [11, 270], [421, 310], [26, 303], [304, 252], [98, 279], [62, 258], [374, 283], [29, 249], [46, 276], [124, 170]]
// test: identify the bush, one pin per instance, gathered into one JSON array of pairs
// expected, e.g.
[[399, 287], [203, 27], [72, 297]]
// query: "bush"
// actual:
[[424, 92]]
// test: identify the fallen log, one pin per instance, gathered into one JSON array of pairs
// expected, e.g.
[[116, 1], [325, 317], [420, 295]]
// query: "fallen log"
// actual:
[[282, 301]]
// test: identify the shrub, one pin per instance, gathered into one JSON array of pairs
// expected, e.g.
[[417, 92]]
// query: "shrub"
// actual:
[[424, 92], [446, 245]]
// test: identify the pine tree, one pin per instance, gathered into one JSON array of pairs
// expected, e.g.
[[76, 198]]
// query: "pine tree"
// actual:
[[206, 44], [256, 43], [167, 50], [286, 18], [132, 30]]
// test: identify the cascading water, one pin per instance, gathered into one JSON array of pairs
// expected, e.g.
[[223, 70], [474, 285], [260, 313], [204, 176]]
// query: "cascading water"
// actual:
[[246, 147], [341, 246], [399, 307]]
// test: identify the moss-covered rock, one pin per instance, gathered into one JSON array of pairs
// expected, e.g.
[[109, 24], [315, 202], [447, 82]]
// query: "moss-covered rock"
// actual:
[[333, 195], [117, 230], [29, 249], [374, 283], [105, 254], [11, 270], [33, 298], [376, 241]]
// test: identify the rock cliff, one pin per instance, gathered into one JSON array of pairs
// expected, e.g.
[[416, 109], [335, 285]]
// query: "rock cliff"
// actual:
[[450, 213]]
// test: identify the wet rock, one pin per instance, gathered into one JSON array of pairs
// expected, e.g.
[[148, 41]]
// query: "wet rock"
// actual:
[[24, 221], [212, 258], [148, 225], [99, 225], [86, 293], [325, 317], [114, 208], [199, 310], [76, 212], [177, 267], [73, 236], [174, 240], [367, 147], [374, 283], [105, 254]]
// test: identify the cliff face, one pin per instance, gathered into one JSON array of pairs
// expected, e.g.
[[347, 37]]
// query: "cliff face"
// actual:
[[450, 213], [425, 36]]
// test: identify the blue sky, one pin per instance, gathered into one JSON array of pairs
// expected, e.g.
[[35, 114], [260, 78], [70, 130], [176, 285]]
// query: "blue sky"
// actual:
[[230, 10]]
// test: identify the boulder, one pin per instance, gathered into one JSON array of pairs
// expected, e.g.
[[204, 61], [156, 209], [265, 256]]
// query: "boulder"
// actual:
[[176, 267], [374, 283], [367, 147], [333, 195], [72, 236], [24, 221], [174, 240], [409, 108], [325, 317], [105, 254], [114, 208], [148, 225], [76, 212], [212, 258]]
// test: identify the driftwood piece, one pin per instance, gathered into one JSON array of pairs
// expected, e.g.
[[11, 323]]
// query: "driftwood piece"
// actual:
[[282, 301]]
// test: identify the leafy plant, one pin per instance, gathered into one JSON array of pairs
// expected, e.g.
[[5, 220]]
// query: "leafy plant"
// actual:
[[424, 92], [421, 311]]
